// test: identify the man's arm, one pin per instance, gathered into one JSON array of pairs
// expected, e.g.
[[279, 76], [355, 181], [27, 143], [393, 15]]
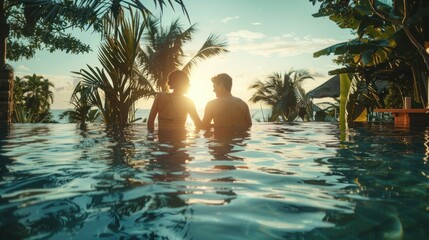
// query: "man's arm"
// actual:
[[208, 117], [247, 118]]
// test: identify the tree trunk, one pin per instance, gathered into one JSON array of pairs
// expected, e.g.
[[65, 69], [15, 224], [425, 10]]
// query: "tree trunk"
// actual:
[[4, 32], [6, 96], [6, 74]]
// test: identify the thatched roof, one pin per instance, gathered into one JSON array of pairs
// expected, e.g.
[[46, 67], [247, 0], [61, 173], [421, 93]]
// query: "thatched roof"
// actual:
[[330, 88]]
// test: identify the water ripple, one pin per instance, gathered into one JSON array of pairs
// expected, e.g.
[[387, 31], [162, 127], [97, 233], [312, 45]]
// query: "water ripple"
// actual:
[[276, 181]]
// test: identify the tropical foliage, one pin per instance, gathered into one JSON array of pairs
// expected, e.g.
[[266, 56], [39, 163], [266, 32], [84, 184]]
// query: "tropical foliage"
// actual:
[[285, 95], [120, 82], [164, 51], [32, 25], [83, 110], [29, 25], [327, 111], [391, 37], [32, 99], [25, 25], [130, 71]]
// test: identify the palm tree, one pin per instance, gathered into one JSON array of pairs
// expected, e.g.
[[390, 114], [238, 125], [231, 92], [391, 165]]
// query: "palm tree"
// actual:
[[83, 108], [39, 96], [164, 53], [112, 11], [116, 87], [283, 92], [33, 99], [57, 16]]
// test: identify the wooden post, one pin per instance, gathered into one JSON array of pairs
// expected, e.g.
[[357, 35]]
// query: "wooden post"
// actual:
[[407, 102], [6, 74], [6, 97], [344, 92]]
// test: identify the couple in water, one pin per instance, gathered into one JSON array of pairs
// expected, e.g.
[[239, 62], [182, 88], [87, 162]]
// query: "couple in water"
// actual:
[[224, 112]]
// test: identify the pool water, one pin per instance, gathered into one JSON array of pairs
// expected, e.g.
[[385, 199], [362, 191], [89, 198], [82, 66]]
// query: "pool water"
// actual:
[[277, 181]]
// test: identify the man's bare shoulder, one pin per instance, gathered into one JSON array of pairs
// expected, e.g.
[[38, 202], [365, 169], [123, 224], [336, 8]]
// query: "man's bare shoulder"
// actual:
[[239, 100], [226, 101], [213, 102]]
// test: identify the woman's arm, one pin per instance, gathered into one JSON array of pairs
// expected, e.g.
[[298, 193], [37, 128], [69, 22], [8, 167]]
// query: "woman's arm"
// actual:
[[152, 115], [194, 115]]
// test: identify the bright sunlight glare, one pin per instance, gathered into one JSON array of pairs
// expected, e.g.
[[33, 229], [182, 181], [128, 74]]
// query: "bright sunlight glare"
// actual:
[[200, 91]]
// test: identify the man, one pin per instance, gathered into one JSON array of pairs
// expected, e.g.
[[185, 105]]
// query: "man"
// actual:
[[226, 111]]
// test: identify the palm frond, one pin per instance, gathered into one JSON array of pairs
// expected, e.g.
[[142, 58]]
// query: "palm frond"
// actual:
[[283, 92], [212, 46]]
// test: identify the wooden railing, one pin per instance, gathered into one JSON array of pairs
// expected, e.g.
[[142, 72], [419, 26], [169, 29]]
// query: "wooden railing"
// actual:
[[408, 116]]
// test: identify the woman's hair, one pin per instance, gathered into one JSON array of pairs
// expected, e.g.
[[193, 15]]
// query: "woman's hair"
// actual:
[[177, 79]]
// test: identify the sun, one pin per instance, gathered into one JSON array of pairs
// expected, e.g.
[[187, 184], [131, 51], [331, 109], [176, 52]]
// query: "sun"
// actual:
[[200, 91]]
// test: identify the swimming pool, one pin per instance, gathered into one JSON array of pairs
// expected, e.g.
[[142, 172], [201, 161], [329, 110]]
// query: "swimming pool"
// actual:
[[277, 181]]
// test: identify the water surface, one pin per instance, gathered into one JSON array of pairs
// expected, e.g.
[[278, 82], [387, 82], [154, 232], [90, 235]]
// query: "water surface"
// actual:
[[277, 181]]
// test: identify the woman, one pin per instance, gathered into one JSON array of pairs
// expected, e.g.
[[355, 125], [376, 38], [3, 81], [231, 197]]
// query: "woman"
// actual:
[[173, 108]]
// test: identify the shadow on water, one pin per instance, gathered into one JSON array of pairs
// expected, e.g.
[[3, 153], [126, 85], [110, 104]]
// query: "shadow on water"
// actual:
[[138, 184], [223, 143]]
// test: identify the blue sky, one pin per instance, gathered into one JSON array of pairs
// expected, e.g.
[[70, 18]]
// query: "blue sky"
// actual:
[[263, 37]]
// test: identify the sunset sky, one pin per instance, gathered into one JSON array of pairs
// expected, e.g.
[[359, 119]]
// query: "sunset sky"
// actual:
[[263, 37]]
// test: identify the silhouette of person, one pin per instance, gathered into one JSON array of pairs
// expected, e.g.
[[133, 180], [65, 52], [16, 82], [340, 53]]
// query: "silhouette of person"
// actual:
[[173, 108], [226, 111]]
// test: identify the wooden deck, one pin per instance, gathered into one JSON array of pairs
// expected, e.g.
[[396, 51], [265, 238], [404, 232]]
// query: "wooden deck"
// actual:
[[408, 116]]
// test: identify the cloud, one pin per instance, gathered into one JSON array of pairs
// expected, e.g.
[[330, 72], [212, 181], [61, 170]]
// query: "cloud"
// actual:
[[62, 83], [318, 74], [62, 91], [248, 36], [23, 68], [285, 45], [227, 19], [289, 35], [257, 23], [64, 86]]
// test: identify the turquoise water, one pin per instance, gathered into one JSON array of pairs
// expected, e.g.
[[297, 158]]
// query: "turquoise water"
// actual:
[[277, 181]]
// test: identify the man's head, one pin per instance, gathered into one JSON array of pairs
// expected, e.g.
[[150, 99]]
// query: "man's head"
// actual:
[[222, 84], [178, 80]]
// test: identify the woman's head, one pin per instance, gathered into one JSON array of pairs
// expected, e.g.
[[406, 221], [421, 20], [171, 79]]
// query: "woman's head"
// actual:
[[178, 80]]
